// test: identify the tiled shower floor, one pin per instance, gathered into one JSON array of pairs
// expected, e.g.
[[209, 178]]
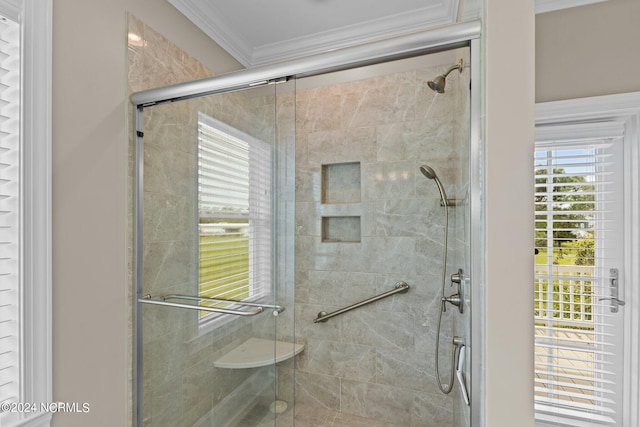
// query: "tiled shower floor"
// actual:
[[306, 416]]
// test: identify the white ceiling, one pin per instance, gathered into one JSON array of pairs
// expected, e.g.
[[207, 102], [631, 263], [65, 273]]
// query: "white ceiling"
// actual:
[[257, 32]]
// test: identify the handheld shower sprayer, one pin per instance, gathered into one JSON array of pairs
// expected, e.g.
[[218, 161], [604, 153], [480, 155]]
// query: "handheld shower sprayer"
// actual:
[[444, 388], [431, 174]]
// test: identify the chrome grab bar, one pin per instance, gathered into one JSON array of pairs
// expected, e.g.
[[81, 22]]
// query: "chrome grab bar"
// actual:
[[163, 300], [400, 288]]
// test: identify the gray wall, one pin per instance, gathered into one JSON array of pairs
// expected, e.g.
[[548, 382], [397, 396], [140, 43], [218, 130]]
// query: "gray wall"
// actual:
[[588, 51]]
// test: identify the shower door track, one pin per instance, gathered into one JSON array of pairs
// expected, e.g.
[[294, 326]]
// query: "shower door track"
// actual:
[[414, 44], [341, 59]]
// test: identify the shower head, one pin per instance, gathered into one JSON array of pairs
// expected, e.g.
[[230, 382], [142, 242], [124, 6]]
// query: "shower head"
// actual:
[[438, 83], [431, 174]]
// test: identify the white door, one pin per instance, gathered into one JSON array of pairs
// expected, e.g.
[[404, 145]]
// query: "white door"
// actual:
[[579, 275]]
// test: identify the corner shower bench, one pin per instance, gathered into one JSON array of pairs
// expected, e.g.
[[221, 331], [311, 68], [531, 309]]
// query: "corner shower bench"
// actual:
[[256, 352]]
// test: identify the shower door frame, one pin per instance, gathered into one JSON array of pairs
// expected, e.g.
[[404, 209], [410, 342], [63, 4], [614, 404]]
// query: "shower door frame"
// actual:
[[416, 44]]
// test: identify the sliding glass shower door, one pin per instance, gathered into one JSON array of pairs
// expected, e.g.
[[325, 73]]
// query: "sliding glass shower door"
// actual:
[[328, 165], [214, 260]]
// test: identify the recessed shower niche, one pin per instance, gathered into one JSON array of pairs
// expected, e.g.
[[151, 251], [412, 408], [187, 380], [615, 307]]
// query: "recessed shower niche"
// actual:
[[341, 183], [341, 229]]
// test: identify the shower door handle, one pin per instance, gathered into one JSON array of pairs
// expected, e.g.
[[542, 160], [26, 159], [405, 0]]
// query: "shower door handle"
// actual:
[[460, 369]]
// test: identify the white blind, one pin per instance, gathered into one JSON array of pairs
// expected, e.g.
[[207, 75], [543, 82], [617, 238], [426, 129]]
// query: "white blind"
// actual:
[[10, 214], [576, 377], [234, 194]]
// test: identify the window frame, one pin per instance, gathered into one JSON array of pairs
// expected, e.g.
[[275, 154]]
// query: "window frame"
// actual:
[[35, 17], [212, 321], [596, 145]]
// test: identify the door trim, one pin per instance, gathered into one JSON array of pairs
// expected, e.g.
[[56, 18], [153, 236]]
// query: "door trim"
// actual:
[[626, 109]]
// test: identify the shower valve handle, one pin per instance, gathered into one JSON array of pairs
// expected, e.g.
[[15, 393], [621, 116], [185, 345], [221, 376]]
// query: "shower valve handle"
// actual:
[[453, 299], [457, 278]]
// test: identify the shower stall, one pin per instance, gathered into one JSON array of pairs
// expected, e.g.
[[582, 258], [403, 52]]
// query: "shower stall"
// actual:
[[293, 264]]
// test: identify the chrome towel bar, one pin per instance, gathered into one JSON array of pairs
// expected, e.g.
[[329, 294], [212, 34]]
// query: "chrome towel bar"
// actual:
[[165, 301], [400, 288]]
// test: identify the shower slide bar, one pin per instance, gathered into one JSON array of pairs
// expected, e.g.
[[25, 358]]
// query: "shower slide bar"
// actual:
[[164, 300], [400, 288]]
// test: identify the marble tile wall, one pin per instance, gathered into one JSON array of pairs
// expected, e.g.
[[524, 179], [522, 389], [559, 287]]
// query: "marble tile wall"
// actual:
[[169, 240], [181, 387], [376, 363]]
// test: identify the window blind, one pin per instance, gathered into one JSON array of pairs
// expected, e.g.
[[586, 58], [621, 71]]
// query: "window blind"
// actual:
[[234, 187], [10, 211], [576, 377]]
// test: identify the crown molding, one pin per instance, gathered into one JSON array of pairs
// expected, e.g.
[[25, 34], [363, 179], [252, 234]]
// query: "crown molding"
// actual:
[[208, 18], [12, 9], [470, 10], [211, 22], [400, 24]]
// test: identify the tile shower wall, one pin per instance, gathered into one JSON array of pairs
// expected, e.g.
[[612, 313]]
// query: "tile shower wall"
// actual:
[[154, 61], [377, 362], [181, 387]]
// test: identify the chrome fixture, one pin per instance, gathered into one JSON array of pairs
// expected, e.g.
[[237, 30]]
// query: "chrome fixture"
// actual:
[[165, 300], [431, 174], [460, 368], [456, 299], [444, 200], [453, 300], [400, 288], [438, 83]]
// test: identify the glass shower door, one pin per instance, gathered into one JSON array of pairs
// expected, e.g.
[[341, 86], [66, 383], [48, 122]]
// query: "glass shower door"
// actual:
[[214, 332]]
